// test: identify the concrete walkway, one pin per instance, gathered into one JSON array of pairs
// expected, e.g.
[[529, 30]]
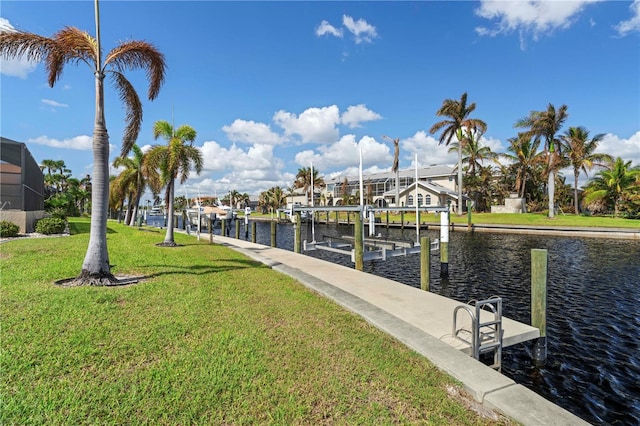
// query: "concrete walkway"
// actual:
[[419, 319]]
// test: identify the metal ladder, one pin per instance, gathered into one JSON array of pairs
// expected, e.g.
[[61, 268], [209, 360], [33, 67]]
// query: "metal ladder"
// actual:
[[485, 336]]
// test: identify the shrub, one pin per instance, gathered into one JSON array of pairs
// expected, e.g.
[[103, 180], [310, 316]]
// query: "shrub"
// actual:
[[51, 225], [8, 229]]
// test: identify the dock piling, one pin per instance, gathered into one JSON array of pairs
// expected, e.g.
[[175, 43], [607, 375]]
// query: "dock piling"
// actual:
[[358, 230], [425, 262], [273, 234], [444, 244], [253, 231], [539, 303]]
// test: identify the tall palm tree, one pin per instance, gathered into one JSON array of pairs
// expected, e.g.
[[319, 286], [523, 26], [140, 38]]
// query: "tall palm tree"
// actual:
[[547, 124], [174, 161], [582, 156], [460, 125], [71, 45], [611, 184], [395, 167], [525, 157]]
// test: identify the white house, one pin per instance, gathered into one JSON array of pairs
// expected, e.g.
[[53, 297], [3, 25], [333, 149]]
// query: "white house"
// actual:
[[437, 186]]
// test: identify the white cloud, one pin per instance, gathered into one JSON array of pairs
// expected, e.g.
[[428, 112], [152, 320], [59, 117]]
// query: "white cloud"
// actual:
[[326, 28], [317, 125], [346, 153], [54, 104], [81, 143], [537, 17], [14, 67], [258, 159], [633, 23], [627, 149], [354, 115], [428, 149], [252, 132], [361, 29]]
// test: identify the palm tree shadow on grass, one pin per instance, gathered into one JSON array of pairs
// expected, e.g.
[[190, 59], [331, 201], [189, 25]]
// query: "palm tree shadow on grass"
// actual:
[[76, 228], [206, 269]]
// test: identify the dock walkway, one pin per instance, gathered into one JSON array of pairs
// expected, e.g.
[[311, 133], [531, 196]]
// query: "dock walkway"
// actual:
[[421, 320]]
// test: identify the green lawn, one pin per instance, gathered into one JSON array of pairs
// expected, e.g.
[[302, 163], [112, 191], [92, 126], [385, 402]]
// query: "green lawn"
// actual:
[[210, 337]]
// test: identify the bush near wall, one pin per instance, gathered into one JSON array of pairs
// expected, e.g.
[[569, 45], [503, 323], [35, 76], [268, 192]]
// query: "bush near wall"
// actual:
[[8, 229], [51, 225]]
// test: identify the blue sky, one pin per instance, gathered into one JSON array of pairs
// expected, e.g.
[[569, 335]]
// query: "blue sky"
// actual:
[[274, 86]]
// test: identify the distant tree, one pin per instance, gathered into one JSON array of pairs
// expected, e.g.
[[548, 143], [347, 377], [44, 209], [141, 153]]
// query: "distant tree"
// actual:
[[547, 124], [395, 167], [458, 124], [581, 153], [612, 184], [71, 45], [523, 153], [305, 180], [174, 161]]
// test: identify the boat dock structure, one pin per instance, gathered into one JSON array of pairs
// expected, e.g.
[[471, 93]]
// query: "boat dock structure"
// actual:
[[424, 322]]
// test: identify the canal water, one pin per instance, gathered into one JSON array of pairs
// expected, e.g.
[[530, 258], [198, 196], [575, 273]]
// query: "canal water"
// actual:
[[593, 307]]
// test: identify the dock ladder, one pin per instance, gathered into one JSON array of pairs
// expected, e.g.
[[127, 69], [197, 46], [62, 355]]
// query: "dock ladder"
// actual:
[[486, 333]]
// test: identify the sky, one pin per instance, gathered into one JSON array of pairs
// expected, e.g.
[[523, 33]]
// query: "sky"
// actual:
[[271, 87]]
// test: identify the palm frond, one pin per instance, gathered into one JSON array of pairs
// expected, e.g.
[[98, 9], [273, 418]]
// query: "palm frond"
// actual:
[[133, 107], [140, 55]]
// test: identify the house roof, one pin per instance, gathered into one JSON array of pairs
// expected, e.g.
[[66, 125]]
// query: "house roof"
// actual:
[[427, 185]]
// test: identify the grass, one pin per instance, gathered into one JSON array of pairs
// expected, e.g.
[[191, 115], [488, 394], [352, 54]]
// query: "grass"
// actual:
[[531, 219], [209, 338]]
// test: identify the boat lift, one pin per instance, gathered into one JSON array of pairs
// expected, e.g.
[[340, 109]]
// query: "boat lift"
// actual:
[[373, 248]]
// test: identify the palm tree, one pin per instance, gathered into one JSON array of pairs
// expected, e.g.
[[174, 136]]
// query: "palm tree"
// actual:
[[547, 124], [137, 175], [460, 125], [524, 157], [305, 181], [611, 185], [582, 156], [473, 152], [174, 160], [71, 45], [395, 168]]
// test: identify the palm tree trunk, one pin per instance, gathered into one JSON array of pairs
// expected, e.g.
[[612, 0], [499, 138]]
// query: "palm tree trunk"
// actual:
[[551, 186], [168, 238], [575, 193], [96, 261], [460, 178]]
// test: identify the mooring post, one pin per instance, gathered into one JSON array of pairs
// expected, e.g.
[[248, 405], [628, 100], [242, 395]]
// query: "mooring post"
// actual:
[[297, 230], [336, 217], [425, 262], [444, 243], [469, 214], [273, 234], [402, 220], [223, 227], [210, 230], [387, 219], [237, 229], [358, 231], [539, 303], [253, 231]]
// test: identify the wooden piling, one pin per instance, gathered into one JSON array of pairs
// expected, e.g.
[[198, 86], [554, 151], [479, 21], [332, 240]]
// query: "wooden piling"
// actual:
[[425, 262], [297, 230], [358, 231], [237, 229], [539, 303], [210, 230], [223, 227], [469, 214], [273, 234], [401, 219], [253, 231]]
